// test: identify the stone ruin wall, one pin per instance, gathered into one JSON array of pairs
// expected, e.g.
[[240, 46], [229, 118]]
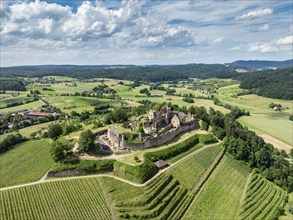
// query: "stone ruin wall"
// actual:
[[161, 140]]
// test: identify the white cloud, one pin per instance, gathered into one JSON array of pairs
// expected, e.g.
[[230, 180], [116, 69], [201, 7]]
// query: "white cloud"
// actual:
[[219, 39], [265, 27], [255, 14], [288, 40], [264, 48]]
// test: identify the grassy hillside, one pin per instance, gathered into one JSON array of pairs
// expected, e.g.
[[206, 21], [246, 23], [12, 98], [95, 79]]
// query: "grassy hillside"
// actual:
[[190, 170], [74, 199], [220, 197], [27, 162]]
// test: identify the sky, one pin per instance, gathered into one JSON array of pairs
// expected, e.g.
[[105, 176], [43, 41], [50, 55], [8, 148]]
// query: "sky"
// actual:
[[144, 32]]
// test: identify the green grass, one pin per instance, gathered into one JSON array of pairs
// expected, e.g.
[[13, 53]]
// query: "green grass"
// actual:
[[69, 199], [262, 199], [263, 120], [29, 106], [28, 130], [27, 162], [220, 197], [190, 170]]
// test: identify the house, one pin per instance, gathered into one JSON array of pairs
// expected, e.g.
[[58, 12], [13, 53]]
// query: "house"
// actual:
[[32, 115], [161, 164], [175, 121]]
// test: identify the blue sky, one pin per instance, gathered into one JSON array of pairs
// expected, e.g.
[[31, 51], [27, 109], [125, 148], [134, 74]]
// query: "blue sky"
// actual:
[[144, 32]]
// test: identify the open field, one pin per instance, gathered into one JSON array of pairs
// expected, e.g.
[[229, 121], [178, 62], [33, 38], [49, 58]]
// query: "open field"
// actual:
[[27, 162], [29, 106], [28, 130], [262, 120], [190, 170], [73, 199], [226, 184], [262, 199]]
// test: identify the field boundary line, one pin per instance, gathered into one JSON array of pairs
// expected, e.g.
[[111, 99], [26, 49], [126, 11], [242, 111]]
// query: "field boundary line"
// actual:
[[201, 187]]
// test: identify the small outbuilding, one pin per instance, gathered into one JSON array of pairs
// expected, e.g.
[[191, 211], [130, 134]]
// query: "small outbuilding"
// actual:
[[161, 164]]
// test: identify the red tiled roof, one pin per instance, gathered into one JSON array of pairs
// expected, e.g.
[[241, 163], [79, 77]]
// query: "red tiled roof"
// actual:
[[42, 114]]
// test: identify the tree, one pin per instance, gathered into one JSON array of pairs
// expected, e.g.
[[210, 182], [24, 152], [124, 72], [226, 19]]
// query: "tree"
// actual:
[[60, 148], [54, 131], [86, 141]]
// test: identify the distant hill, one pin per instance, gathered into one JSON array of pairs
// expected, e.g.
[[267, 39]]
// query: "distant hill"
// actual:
[[151, 73], [276, 84], [261, 64]]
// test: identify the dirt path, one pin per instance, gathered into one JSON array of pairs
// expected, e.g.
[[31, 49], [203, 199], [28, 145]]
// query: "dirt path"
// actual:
[[276, 142], [245, 187], [43, 180]]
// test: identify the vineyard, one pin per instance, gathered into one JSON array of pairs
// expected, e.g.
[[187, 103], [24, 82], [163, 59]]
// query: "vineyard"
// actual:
[[163, 198], [263, 199], [220, 197], [73, 199], [190, 170], [28, 162]]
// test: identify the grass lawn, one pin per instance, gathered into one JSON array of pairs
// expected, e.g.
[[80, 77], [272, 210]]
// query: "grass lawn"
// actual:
[[27, 162], [220, 197], [68, 199], [190, 170], [29, 106]]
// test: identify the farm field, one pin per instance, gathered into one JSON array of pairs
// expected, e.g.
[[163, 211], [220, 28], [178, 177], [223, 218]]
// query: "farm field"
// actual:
[[27, 162], [68, 199], [29, 106], [163, 198], [190, 170], [262, 199], [28, 130], [226, 184], [262, 120]]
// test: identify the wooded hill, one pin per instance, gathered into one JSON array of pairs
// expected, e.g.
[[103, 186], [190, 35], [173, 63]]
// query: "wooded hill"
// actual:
[[269, 83], [135, 73], [11, 84]]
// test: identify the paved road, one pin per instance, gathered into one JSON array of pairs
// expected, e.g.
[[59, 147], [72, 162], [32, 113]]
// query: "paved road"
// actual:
[[44, 180]]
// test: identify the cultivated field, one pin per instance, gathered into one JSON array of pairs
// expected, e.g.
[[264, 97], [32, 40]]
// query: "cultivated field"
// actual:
[[262, 199], [190, 170], [73, 199], [27, 162], [220, 197]]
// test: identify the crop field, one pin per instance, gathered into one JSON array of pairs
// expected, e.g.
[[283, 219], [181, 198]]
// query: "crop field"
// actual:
[[163, 198], [29, 106], [226, 184], [262, 199], [77, 103], [27, 162], [262, 120], [69, 199], [12, 99], [190, 170]]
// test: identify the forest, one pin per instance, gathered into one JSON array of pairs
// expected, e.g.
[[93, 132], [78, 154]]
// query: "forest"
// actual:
[[11, 84], [276, 84]]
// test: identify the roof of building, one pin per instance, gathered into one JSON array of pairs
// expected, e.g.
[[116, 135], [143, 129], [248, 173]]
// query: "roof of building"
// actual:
[[115, 131], [41, 114], [161, 164]]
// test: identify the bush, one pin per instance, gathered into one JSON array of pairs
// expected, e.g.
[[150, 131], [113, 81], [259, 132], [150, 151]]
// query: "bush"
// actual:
[[10, 141], [92, 166]]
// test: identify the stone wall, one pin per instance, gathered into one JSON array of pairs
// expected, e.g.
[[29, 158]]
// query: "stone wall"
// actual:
[[164, 138]]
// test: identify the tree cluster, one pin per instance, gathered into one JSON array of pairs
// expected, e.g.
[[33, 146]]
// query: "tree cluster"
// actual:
[[10, 141]]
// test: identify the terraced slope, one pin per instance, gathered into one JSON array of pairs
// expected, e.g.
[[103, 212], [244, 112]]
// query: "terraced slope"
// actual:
[[69, 199], [220, 197], [262, 200], [163, 198]]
